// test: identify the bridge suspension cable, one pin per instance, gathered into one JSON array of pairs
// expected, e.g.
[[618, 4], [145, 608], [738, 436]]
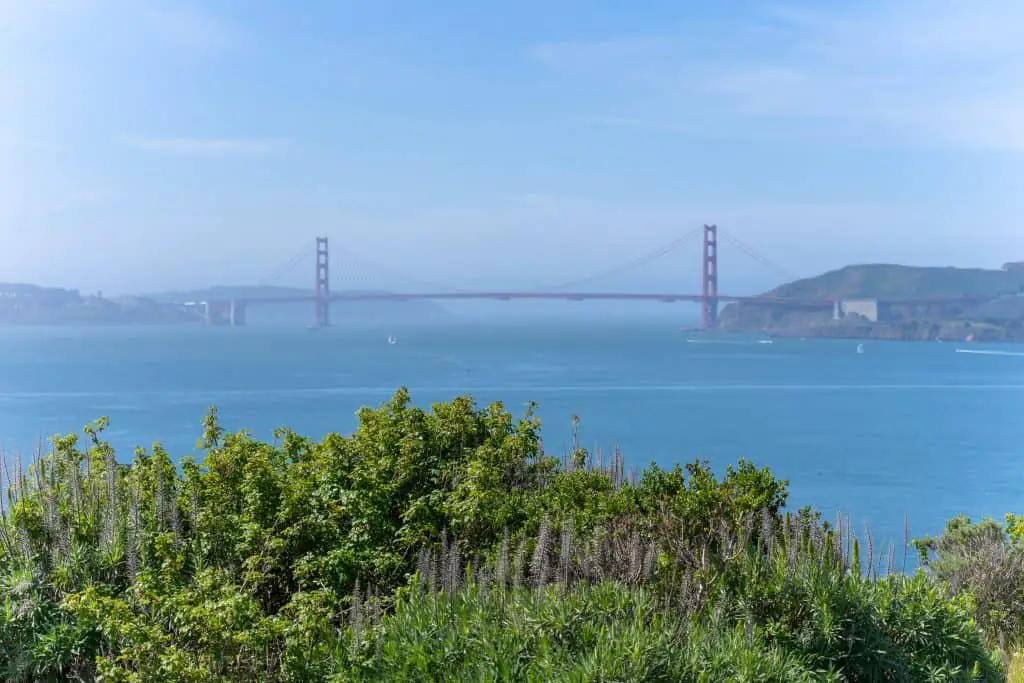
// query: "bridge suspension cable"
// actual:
[[635, 263], [391, 273], [749, 251], [274, 277], [302, 256]]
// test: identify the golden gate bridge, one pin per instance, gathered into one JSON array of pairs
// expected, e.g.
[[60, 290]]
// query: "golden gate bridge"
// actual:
[[233, 311]]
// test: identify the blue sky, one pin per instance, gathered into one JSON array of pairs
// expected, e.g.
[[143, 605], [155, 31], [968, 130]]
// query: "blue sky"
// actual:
[[149, 144]]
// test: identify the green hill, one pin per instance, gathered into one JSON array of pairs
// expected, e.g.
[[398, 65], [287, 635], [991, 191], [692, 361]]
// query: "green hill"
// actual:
[[885, 281], [1000, 317]]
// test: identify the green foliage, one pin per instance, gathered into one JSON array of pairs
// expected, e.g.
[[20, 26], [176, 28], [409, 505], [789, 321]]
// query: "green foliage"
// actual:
[[442, 544], [798, 614], [894, 281], [893, 628], [596, 633], [985, 558]]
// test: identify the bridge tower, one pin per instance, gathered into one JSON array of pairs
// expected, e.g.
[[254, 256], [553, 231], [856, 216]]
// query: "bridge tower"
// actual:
[[709, 279], [323, 284]]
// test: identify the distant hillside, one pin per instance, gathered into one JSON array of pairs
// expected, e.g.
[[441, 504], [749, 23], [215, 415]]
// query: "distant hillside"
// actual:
[[28, 304], [894, 281], [301, 313], [222, 292], [1000, 319]]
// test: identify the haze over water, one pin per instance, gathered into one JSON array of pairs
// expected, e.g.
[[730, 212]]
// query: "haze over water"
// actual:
[[903, 429]]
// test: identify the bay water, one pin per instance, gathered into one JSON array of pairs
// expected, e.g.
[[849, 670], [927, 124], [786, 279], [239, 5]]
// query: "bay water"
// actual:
[[915, 430]]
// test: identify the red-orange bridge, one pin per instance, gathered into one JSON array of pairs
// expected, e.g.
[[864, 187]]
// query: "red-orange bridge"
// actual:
[[232, 311]]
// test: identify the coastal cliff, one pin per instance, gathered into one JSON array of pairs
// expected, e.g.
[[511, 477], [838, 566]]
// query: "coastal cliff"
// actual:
[[979, 305]]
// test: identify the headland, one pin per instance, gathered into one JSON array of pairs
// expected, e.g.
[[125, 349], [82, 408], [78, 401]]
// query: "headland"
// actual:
[[894, 302]]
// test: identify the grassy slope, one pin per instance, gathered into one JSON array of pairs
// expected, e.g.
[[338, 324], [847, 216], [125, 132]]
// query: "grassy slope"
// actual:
[[894, 281]]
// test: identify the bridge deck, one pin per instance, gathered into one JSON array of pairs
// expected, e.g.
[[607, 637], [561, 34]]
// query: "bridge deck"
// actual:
[[667, 297], [555, 296]]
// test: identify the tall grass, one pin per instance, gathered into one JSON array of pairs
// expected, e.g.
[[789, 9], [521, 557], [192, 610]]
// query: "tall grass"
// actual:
[[1015, 669], [792, 605], [604, 632]]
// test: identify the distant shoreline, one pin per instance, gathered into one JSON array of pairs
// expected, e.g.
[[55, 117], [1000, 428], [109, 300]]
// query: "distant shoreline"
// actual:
[[27, 305], [946, 332], [942, 304]]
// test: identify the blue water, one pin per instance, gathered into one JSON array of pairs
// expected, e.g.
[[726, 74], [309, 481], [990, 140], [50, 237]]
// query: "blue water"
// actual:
[[903, 429]]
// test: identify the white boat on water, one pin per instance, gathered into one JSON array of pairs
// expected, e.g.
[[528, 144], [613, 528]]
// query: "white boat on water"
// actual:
[[860, 348], [392, 339]]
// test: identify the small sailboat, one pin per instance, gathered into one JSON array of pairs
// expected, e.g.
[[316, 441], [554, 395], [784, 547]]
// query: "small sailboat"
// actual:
[[860, 348], [392, 339]]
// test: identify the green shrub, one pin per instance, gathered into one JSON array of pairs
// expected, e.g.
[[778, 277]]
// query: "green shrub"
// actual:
[[986, 559], [291, 561]]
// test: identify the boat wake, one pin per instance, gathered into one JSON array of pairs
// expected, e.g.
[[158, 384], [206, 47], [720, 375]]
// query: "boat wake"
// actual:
[[989, 352], [729, 342]]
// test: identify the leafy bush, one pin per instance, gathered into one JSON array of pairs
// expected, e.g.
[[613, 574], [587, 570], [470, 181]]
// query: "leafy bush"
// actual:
[[985, 558], [353, 557]]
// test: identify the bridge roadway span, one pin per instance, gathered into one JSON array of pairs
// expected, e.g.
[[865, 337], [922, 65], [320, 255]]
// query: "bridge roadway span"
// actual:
[[597, 296]]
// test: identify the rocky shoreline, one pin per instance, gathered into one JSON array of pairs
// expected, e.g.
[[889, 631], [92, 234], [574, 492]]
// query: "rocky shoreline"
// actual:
[[914, 330], [892, 302]]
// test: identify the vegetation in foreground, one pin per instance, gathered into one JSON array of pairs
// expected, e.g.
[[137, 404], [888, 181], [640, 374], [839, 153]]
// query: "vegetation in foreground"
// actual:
[[445, 545]]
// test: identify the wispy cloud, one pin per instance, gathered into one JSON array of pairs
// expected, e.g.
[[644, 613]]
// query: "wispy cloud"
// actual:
[[209, 147], [939, 72]]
